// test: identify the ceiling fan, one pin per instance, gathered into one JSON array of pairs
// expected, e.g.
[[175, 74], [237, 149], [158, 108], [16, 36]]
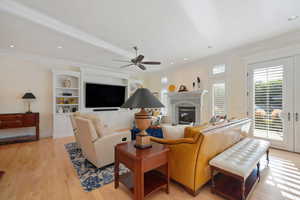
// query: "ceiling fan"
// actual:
[[138, 61]]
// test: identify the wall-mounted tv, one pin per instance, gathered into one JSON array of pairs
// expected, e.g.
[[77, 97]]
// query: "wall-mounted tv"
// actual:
[[100, 95]]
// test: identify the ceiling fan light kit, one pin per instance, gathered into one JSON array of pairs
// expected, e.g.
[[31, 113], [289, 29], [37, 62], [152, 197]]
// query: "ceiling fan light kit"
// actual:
[[138, 61]]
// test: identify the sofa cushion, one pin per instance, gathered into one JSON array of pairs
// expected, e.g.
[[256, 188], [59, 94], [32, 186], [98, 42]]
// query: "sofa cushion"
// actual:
[[173, 132]]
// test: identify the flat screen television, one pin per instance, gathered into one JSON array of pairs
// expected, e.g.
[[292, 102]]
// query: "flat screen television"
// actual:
[[100, 95]]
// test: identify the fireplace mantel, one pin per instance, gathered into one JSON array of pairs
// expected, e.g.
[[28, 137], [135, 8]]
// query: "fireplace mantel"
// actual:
[[193, 98]]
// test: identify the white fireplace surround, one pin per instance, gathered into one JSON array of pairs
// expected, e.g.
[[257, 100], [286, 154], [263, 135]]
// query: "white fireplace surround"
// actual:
[[188, 99]]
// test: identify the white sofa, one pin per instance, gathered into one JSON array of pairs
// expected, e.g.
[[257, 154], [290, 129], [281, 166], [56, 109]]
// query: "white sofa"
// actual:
[[97, 141]]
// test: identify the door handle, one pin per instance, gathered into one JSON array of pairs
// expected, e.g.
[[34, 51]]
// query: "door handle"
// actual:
[[289, 116], [296, 117]]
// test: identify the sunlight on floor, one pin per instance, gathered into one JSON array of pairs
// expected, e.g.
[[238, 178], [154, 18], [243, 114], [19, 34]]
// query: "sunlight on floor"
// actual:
[[285, 176]]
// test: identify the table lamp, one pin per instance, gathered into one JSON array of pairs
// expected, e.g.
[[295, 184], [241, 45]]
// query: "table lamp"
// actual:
[[28, 97], [142, 98]]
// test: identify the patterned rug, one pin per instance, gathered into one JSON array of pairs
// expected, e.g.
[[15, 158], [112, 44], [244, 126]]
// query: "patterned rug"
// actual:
[[90, 176]]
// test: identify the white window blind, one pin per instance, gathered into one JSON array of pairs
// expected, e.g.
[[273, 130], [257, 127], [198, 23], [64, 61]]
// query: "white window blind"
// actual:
[[219, 99], [268, 101], [218, 69]]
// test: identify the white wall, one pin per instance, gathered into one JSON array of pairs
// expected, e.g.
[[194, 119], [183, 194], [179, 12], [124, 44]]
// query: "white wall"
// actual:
[[236, 61], [18, 76]]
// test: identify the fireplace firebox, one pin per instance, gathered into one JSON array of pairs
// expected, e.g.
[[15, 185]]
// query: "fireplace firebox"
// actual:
[[186, 114]]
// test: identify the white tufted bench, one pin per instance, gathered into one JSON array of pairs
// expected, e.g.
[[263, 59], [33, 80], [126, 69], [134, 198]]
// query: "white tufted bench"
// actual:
[[238, 163]]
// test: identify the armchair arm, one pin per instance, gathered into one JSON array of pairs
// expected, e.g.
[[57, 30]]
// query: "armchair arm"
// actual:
[[176, 141], [114, 137], [105, 146]]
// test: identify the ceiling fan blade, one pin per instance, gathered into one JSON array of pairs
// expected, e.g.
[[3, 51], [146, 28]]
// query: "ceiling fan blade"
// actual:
[[124, 66], [117, 60], [151, 63], [140, 58], [141, 67]]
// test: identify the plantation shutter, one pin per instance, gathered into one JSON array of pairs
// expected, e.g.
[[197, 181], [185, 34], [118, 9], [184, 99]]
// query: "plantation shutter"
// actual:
[[268, 101], [219, 99]]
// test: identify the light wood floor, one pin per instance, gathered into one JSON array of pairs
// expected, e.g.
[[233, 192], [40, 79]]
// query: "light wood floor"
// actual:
[[42, 170]]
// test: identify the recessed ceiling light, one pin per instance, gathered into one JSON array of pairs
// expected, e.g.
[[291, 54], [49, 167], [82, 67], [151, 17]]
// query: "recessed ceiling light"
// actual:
[[171, 63], [59, 47], [185, 59], [11, 46], [292, 18]]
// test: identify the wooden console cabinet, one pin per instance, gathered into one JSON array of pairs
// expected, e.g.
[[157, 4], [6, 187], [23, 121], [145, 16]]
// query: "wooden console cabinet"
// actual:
[[20, 120]]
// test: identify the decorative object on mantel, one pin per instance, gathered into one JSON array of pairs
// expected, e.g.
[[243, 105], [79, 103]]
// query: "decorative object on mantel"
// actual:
[[28, 97], [198, 83], [89, 175], [172, 88], [142, 98], [67, 83], [183, 88]]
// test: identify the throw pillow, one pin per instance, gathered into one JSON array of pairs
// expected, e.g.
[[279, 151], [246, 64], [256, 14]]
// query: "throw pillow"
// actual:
[[173, 132]]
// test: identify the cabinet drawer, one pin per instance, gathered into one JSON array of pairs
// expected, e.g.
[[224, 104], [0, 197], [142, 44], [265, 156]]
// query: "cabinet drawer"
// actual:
[[10, 117], [11, 123], [29, 120]]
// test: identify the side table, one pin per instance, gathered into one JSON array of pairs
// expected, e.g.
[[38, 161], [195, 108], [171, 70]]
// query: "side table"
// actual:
[[142, 179]]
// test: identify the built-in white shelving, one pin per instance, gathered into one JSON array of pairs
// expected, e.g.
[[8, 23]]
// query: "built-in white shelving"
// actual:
[[66, 100]]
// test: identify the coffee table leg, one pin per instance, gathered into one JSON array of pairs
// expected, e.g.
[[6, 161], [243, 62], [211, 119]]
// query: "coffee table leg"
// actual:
[[212, 180], [117, 163]]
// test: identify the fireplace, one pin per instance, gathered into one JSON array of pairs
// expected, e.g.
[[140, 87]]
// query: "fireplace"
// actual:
[[186, 107], [186, 114]]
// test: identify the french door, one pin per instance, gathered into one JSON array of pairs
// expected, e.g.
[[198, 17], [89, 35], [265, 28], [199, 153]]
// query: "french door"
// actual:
[[271, 101]]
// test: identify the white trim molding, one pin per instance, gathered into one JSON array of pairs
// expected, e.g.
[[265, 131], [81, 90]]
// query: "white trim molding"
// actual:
[[37, 17]]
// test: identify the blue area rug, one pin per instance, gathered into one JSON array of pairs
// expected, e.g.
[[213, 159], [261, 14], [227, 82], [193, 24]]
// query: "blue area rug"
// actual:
[[90, 176]]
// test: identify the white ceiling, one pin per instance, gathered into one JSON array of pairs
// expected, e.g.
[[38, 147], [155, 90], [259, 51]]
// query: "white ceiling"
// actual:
[[97, 31]]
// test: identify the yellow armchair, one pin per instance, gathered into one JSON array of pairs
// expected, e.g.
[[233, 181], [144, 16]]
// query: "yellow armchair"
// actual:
[[183, 155]]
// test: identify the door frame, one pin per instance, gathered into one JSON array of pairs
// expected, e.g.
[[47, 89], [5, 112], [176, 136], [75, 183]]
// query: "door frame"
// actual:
[[288, 92]]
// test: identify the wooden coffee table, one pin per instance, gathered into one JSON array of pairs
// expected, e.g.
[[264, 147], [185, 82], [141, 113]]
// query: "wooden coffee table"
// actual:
[[142, 179]]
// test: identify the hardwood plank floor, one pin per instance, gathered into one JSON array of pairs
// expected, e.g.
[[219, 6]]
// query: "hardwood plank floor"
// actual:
[[42, 171]]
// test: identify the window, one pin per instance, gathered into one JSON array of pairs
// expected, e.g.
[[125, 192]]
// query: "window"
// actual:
[[219, 98], [268, 102], [164, 101], [218, 69]]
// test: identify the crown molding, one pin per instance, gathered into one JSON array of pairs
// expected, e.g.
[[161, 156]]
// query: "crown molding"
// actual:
[[56, 25], [55, 62]]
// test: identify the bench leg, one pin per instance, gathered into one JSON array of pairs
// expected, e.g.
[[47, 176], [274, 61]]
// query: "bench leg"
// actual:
[[243, 190], [212, 180], [268, 160], [258, 171]]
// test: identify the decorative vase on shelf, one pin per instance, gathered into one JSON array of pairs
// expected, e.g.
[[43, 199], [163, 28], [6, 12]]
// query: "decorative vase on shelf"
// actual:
[[60, 110], [67, 83]]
